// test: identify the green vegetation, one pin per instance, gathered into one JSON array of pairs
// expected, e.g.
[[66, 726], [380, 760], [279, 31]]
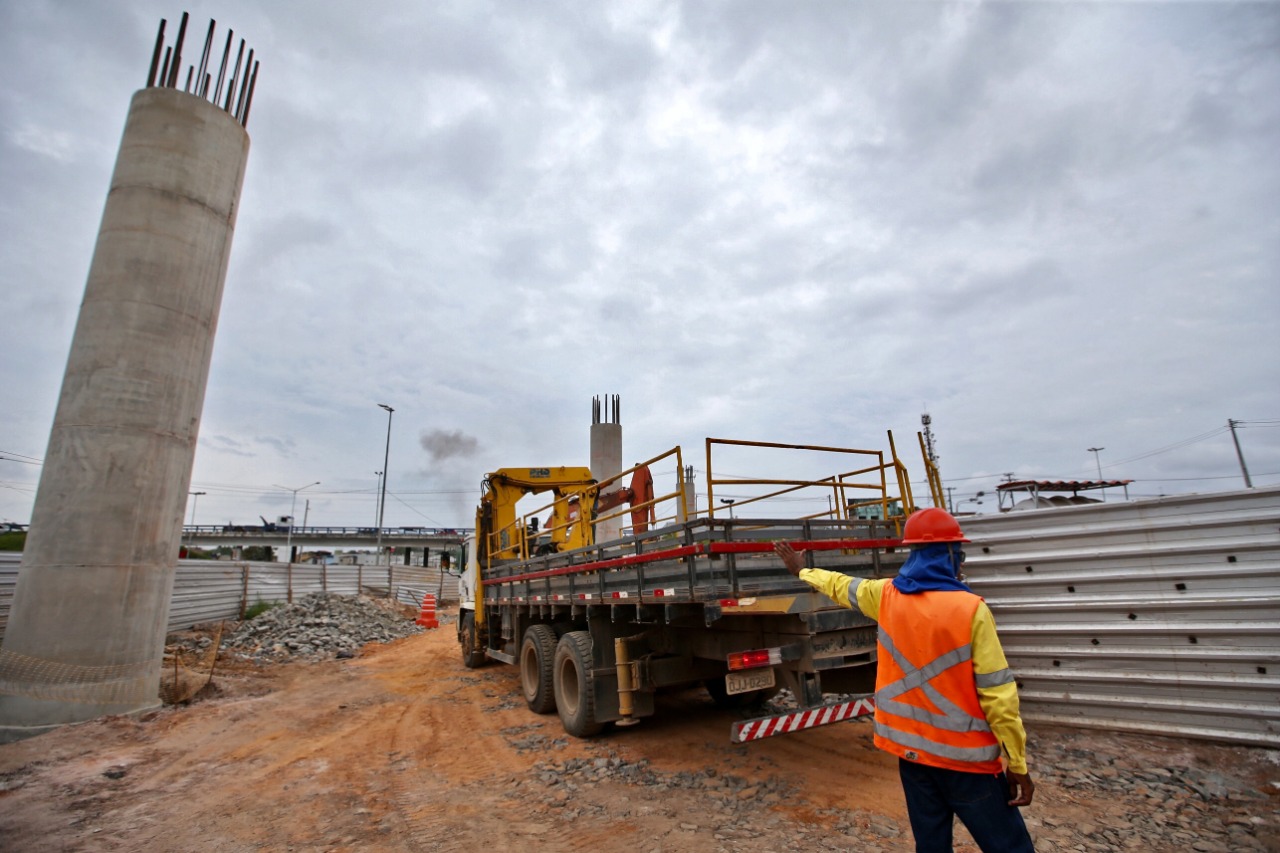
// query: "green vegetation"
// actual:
[[258, 608], [13, 540]]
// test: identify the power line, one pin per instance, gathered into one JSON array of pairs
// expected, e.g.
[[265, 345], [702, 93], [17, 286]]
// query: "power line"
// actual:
[[25, 461], [416, 511], [1175, 446]]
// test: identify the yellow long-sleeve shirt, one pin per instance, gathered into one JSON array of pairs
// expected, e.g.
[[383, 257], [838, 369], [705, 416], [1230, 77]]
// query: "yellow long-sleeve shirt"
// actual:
[[999, 703]]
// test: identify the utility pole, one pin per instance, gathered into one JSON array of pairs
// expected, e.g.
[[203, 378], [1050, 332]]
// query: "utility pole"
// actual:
[[1231, 425], [382, 504], [195, 498], [951, 506], [1098, 459]]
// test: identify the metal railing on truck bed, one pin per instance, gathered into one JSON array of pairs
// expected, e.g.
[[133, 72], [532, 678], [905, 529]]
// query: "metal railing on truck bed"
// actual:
[[877, 489], [703, 561]]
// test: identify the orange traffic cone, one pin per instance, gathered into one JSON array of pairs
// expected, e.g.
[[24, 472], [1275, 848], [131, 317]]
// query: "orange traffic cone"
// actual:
[[427, 618]]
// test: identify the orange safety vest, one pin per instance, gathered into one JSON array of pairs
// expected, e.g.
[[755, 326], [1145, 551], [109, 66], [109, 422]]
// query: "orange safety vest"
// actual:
[[927, 707]]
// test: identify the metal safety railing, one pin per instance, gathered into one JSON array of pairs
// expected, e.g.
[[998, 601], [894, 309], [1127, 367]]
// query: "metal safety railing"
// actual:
[[880, 489]]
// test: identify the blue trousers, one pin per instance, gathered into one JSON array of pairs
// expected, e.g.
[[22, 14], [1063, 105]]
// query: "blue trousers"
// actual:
[[936, 795]]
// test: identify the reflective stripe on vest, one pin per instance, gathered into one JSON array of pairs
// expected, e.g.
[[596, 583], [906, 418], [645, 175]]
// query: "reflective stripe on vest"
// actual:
[[948, 729], [955, 753], [953, 718]]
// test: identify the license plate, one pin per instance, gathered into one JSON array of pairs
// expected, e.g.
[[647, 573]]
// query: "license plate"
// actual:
[[745, 682]]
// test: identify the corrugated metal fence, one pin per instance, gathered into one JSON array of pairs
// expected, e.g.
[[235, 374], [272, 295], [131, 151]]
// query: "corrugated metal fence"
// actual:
[[209, 590], [1154, 616]]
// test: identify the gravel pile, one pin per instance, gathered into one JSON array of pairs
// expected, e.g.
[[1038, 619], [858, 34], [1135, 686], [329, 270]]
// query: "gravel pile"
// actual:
[[1171, 807], [318, 626]]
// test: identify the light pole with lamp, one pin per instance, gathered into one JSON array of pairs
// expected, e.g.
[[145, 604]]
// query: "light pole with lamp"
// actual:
[[386, 457], [729, 502], [195, 499], [1098, 459], [288, 540]]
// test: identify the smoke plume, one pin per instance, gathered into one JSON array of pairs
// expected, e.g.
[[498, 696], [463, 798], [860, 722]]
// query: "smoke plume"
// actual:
[[443, 444]]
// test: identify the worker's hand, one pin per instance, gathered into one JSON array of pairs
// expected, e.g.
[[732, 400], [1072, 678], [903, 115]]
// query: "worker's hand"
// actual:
[[790, 558], [1021, 788]]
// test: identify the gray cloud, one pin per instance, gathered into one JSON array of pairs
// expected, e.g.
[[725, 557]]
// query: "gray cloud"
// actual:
[[1051, 223]]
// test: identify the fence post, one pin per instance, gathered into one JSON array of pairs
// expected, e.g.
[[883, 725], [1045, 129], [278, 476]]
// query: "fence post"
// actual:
[[288, 582], [324, 578], [244, 589]]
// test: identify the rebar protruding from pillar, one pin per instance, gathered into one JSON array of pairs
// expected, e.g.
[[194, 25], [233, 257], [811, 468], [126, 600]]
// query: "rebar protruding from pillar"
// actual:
[[239, 87], [599, 414]]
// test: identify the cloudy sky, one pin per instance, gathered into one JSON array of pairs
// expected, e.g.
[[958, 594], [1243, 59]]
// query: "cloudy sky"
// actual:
[[1053, 226]]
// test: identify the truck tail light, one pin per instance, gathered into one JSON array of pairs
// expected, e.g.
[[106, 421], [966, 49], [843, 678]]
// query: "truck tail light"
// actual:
[[755, 659]]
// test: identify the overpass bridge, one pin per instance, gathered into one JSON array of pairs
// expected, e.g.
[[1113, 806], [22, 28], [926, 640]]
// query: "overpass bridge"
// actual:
[[321, 538]]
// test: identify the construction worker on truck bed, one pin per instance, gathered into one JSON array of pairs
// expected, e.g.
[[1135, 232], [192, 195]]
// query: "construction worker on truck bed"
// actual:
[[946, 702]]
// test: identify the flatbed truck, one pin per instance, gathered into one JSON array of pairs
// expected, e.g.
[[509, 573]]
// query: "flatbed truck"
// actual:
[[681, 598]]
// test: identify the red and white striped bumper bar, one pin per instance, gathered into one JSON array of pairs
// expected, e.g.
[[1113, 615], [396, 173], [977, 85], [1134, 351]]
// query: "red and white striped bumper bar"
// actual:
[[764, 727]]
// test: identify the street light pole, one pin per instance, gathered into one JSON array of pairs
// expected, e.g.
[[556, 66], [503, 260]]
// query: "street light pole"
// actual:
[[386, 457], [288, 539], [195, 499], [729, 502], [1098, 459]]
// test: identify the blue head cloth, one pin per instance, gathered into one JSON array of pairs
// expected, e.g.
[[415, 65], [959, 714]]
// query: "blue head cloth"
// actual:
[[931, 567]]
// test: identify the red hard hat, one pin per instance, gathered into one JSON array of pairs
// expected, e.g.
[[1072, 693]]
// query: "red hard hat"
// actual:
[[931, 525]]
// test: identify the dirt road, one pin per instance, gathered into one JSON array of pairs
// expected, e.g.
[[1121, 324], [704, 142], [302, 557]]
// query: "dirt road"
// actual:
[[404, 749]]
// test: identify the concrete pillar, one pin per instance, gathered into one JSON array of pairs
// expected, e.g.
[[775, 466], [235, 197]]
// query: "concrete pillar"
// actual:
[[606, 457], [86, 631], [684, 480]]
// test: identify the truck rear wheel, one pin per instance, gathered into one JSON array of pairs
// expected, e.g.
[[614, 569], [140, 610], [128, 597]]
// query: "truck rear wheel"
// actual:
[[471, 657], [537, 668], [575, 685]]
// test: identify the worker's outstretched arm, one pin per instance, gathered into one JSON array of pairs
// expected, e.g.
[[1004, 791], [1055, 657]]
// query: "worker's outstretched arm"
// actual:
[[843, 589]]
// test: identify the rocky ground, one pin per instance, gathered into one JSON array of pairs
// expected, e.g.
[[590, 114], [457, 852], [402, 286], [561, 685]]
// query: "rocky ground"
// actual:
[[315, 735]]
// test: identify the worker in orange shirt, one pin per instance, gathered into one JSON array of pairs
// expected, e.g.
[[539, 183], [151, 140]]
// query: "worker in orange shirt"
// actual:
[[946, 702]]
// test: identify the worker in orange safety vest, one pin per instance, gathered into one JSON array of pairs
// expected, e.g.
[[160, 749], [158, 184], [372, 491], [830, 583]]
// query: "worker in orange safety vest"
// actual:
[[946, 702]]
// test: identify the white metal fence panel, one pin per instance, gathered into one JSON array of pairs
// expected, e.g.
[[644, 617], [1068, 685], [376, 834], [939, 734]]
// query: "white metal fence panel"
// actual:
[[206, 591], [1156, 616], [9, 562]]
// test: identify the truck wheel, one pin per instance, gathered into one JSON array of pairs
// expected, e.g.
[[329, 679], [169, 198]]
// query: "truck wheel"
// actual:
[[575, 685], [537, 668], [471, 658]]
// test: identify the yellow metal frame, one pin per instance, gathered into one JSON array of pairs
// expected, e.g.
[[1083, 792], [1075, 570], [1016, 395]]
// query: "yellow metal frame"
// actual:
[[839, 484], [512, 541]]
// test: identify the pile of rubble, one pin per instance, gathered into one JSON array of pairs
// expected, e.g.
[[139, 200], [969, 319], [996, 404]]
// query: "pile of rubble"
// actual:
[[319, 626]]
